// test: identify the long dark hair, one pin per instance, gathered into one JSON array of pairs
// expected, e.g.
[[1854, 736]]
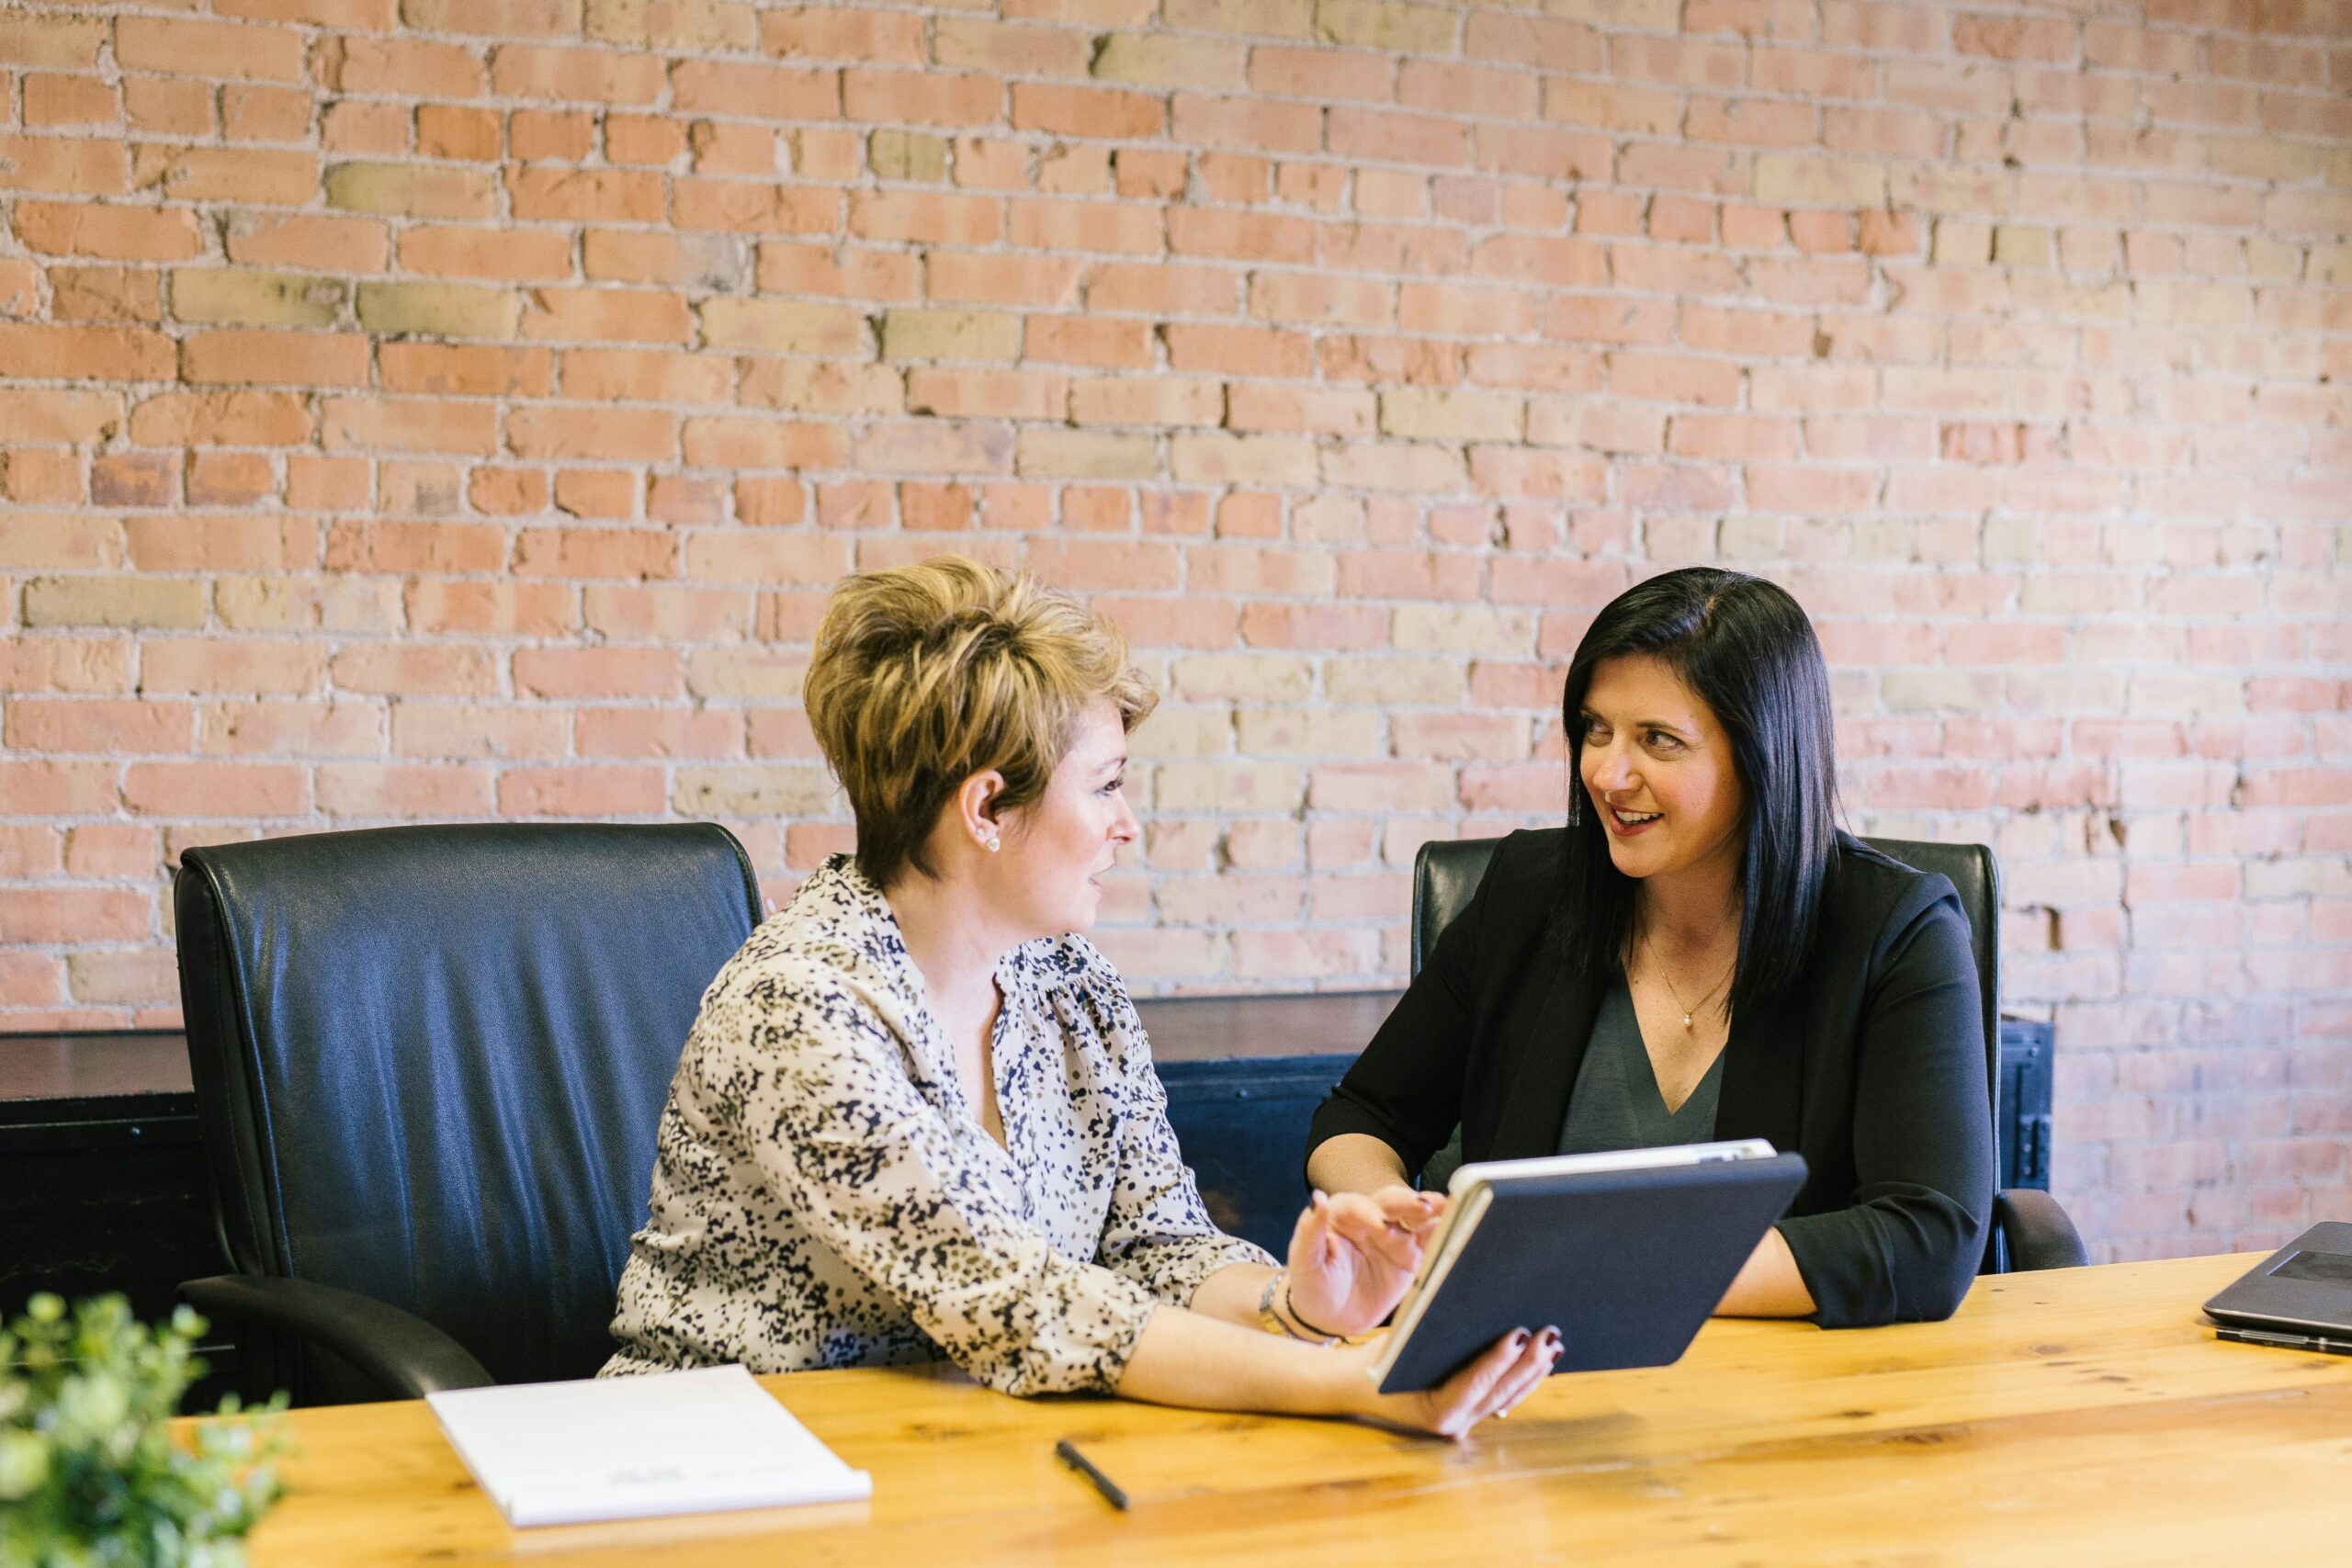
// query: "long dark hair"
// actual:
[[1746, 648]]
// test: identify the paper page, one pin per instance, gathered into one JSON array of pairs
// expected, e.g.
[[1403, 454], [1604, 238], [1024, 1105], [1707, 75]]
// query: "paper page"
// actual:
[[630, 1447]]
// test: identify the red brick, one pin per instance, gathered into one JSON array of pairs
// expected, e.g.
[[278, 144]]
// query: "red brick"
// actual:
[[209, 49], [652, 732], [261, 543], [1043, 224], [215, 789], [410, 425], [456, 731], [43, 916], [595, 552], [505, 254], [1257, 125], [585, 196], [554, 135], [608, 493], [162, 107], [756, 92], [290, 359], [582, 791], [402, 790], [821, 32], [125, 233], [573, 672], [415, 669], [99, 727], [1065, 110], [743, 207], [41, 351], [594, 75], [231, 418], [921, 98]]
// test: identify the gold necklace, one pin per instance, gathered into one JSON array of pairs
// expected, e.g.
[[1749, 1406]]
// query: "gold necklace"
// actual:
[[1668, 980]]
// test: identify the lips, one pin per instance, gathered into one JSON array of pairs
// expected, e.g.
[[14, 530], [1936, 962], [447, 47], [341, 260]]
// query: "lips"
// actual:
[[1625, 824]]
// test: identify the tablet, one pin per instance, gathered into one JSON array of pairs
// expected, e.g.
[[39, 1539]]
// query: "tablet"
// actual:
[[1627, 1252]]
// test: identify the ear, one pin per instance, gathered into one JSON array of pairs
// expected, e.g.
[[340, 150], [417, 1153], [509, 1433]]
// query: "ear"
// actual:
[[975, 805]]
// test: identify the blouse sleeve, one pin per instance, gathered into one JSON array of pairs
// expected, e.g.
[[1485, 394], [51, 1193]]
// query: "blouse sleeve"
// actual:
[[1909, 1244], [1159, 1233], [841, 1136]]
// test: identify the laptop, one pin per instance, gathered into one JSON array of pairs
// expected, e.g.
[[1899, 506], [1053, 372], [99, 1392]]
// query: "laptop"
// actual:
[[2302, 1292]]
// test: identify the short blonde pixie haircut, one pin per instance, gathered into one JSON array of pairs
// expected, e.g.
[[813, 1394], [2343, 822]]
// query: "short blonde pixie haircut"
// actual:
[[924, 675]]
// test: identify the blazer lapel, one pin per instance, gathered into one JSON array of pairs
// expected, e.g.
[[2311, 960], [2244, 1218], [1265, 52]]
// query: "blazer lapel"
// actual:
[[1530, 1123], [1763, 1084]]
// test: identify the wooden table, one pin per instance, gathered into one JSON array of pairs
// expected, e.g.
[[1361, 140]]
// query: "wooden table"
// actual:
[[2072, 1418]]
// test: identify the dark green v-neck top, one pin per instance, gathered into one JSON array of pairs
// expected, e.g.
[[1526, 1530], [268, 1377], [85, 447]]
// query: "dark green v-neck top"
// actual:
[[1615, 1103]]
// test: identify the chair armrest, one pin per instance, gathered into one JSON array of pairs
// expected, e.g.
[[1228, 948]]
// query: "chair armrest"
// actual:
[[402, 1353], [2037, 1231]]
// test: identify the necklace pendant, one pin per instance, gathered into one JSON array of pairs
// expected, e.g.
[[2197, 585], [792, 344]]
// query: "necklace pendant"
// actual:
[[1686, 1020]]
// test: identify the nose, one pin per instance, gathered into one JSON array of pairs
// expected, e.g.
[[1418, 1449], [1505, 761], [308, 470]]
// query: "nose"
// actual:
[[1124, 828], [1607, 769]]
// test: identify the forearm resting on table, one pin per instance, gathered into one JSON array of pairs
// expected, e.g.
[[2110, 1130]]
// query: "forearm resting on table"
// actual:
[[1354, 1162], [1189, 1358], [1767, 1284], [1231, 1293]]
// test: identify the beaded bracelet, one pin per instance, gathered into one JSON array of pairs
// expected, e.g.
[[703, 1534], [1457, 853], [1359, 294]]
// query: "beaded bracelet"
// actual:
[[1274, 1323]]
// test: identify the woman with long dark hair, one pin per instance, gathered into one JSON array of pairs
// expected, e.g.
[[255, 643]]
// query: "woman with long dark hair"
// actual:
[[1701, 954]]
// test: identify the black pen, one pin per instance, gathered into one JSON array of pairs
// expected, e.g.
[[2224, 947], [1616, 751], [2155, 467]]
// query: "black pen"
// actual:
[[1067, 1451], [2286, 1341]]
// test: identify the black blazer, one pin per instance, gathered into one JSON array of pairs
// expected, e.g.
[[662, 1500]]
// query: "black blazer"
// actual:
[[1871, 1067]]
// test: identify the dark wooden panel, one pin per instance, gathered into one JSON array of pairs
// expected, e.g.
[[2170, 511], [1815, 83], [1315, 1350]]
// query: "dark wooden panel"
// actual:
[[1210, 1028], [1243, 1127]]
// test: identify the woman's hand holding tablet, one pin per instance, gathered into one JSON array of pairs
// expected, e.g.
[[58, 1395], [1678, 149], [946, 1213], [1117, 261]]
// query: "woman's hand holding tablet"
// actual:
[[1493, 1384], [1352, 1257]]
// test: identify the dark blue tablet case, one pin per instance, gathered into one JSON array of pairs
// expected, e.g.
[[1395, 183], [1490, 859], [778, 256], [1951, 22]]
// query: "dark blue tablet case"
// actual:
[[1629, 1263]]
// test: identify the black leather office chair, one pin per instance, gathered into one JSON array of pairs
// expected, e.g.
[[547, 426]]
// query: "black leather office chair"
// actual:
[[429, 1062], [2032, 1231]]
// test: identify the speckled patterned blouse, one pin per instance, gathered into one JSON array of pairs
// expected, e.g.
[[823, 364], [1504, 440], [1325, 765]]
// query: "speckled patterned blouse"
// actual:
[[825, 1196]]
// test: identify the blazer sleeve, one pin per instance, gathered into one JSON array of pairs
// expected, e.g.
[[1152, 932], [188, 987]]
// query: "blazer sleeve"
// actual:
[[1908, 1246], [1406, 1088]]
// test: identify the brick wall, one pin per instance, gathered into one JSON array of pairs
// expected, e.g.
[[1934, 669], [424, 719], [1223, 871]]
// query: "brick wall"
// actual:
[[441, 409]]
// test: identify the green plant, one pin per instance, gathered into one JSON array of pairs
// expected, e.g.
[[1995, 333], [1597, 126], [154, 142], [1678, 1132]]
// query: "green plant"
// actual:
[[91, 1475]]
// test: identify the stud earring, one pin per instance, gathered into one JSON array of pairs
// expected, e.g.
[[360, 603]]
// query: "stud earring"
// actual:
[[992, 843]]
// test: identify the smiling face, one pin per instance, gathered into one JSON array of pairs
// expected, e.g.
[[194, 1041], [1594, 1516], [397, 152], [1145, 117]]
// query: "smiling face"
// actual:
[[1658, 766], [1045, 876]]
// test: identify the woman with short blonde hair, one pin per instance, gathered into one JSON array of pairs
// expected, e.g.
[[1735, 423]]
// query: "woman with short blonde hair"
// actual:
[[917, 1117]]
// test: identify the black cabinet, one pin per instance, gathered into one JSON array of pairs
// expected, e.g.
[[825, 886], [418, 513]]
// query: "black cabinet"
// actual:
[[2024, 1125]]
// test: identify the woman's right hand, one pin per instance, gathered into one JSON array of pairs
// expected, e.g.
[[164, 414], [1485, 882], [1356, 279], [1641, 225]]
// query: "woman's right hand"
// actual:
[[1512, 1367]]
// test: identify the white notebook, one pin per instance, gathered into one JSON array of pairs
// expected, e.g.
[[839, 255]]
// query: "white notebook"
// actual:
[[691, 1442]]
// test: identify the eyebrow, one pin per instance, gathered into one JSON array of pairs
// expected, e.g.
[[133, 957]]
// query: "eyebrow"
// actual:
[[1666, 725]]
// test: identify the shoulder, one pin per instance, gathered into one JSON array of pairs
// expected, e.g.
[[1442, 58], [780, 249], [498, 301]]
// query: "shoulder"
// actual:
[[1526, 867], [831, 952], [1873, 902], [1081, 990]]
